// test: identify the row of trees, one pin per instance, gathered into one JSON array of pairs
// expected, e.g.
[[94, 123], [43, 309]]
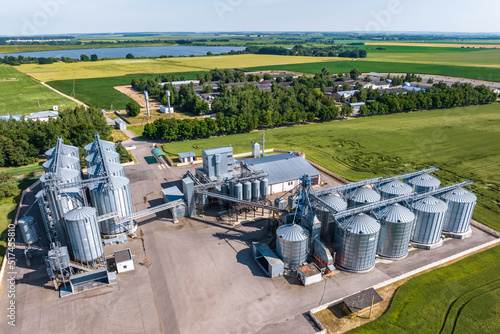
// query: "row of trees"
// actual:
[[301, 50], [22, 141]]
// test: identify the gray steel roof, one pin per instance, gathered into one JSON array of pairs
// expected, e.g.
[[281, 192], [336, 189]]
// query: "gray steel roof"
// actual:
[[172, 193], [397, 214], [97, 168], [123, 255], [104, 143], [425, 180], [64, 160], [187, 154], [116, 181], [396, 187], [108, 155], [282, 167], [63, 149], [460, 195], [361, 224], [292, 232], [335, 202], [218, 150], [430, 204], [365, 195], [66, 174], [80, 213]]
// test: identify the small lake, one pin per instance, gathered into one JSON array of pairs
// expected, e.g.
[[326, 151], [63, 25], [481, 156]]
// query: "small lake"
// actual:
[[144, 51]]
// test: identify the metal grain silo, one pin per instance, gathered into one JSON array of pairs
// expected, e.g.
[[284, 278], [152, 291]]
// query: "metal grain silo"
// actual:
[[255, 190], [356, 243], [291, 245], [429, 219], [71, 198], [424, 183], [325, 216], [67, 175], [363, 196], [112, 169], [461, 205], [292, 202], [95, 157], [393, 189], [109, 197], [64, 162], [396, 225], [247, 191], [83, 234], [105, 145], [63, 150], [264, 187], [280, 203], [238, 191], [27, 225]]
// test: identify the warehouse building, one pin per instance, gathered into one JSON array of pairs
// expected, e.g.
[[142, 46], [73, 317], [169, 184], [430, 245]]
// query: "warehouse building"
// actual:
[[284, 171]]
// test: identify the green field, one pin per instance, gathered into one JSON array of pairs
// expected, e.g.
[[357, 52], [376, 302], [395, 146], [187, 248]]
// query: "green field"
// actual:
[[21, 96], [461, 298], [463, 142]]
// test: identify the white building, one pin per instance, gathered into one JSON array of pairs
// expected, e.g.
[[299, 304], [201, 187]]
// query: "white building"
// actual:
[[124, 261], [120, 124], [166, 110], [187, 156]]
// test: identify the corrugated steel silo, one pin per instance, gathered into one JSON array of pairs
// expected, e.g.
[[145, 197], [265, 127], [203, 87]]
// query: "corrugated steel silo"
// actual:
[[113, 196], [67, 175], [393, 189], [255, 190], [98, 170], [292, 202], [424, 183], [247, 191], [71, 198], [83, 233], [27, 225], [264, 187], [63, 150], [429, 219], [105, 145], [280, 203], [325, 216], [363, 196], [356, 243], [396, 224], [64, 162], [291, 245], [238, 191], [461, 205], [95, 157]]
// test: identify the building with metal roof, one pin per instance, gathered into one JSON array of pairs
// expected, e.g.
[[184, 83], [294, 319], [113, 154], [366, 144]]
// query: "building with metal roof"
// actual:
[[284, 171], [120, 124], [187, 156], [157, 152], [42, 116]]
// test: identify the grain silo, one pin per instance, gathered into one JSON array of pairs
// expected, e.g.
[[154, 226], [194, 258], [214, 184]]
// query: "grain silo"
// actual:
[[291, 245], [83, 234], [393, 189], [64, 162], [325, 216], [255, 190], [247, 191], [461, 205], [429, 219], [96, 157], [363, 196], [238, 191], [111, 169], [105, 145], [424, 183], [71, 198], [396, 225], [109, 197], [27, 225], [356, 243], [63, 150], [264, 187]]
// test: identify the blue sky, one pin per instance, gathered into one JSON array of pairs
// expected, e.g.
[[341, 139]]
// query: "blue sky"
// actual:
[[29, 17]]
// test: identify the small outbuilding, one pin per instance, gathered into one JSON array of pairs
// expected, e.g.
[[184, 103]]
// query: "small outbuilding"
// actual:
[[187, 157], [267, 260], [362, 302], [120, 124], [124, 260], [309, 274]]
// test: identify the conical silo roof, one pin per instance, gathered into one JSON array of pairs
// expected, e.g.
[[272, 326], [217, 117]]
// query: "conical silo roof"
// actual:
[[64, 161], [397, 214], [106, 145], [98, 168], [335, 202], [80, 213], [115, 182], [361, 224], [107, 155], [292, 232], [66, 174], [460, 195], [425, 180], [396, 187], [365, 195], [430, 204]]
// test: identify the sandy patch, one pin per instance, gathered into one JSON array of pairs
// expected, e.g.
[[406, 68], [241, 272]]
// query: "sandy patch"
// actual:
[[138, 97]]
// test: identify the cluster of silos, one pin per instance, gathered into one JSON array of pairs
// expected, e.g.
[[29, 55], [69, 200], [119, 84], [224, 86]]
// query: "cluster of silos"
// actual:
[[249, 190], [394, 189], [396, 227], [429, 219], [325, 215], [292, 242], [363, 196], [461, 205], [114, 195], [423, 183]]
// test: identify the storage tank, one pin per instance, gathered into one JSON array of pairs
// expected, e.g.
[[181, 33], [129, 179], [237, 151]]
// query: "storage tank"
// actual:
[[255, 190], [238, 191], [95, 157], [396, 225], [255, 150], [292, 202], [113, 169], [429, 219], [291, 245], [71, 198], [325, 216], [59, 258], [83, 234], [247, 191], [27, 225], [363, 196], [461, 205], [63, 150], [67, 175], [280, 203], [64, 162], [264, 187], [424, 183], [393, 189], [356, 243], [113, 196], [105, 145]]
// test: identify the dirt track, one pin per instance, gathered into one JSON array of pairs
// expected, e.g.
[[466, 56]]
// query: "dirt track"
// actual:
[[138, 97]]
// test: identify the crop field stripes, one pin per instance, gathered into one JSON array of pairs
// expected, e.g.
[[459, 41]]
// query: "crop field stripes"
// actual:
[[462, 301]]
